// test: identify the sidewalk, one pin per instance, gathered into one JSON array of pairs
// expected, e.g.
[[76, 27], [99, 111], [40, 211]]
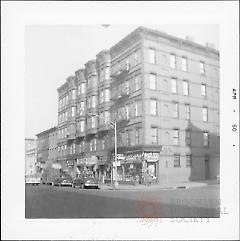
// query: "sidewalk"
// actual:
[[163, 186]]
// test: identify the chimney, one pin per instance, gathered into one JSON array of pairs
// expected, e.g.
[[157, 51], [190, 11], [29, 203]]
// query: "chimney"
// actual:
[[210, 45], [190, 38]]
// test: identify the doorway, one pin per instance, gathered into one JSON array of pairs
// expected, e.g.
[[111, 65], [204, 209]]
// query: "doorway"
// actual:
[[206, 167]]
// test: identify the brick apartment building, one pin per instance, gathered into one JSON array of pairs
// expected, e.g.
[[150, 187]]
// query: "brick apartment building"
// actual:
[[30, 156], [162, 91], [47, 148]]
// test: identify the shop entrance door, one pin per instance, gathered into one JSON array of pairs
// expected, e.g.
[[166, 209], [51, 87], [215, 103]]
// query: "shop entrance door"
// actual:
[[206, 168]]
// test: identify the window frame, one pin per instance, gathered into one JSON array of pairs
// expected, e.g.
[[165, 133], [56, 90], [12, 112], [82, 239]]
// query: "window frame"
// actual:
[[152, 55], [155, 107], [154, 135], [174, 160], [151, 79], [173, 59], [176, 137]]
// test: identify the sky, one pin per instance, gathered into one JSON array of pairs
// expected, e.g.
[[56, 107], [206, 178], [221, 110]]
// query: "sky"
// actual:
[[54, 52]]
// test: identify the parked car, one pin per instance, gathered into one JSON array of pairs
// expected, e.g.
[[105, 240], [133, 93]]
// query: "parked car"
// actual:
[[85, 182], [66, 182], [78, 182], [56, 182], [91, 182]]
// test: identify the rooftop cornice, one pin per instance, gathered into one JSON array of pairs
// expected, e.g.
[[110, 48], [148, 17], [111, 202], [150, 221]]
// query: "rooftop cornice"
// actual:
[[52, 129], [141, 32]]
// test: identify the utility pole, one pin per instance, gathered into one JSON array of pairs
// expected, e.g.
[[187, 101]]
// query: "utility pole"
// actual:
[[114, 164]]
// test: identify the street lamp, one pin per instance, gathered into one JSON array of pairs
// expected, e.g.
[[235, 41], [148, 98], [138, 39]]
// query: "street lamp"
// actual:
[[114, 166]]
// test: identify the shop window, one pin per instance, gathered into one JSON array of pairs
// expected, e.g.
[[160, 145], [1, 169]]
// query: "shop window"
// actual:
[[176, 160], [188, 160]]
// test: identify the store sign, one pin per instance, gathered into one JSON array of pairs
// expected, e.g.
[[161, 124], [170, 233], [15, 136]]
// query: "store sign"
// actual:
[[133, 157], [56, 166], [80, 161], [70, 162], [153, 156], [91, 160]]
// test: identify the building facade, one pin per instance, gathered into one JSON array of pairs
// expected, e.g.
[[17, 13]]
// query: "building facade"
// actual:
[[47, 148], [163, 93], [30, 157]]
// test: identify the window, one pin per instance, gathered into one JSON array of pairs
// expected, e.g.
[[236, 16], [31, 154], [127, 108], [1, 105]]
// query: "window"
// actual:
[[79, 89], [137, 83], [82, 107], [83, 88], [175, 109], [174, 85], [66, 100], [152, 56], [205, 114], [94, 122], [103, 144], [127, 111], [176, 160], [153, 107], [73, 110], [153, 81], [107, 72], [188, 137], [94, 144], [128, 137], [137, 136], [136, 57], [188, 113], [107, 95], [205, 138], [184, 63], [185, 87], [127, 88], [90, 145], [188, 160], [94, 101], [101, 96], [173, 61], [154, 135], [73, 94], [136, 109], [107, 117], [176, 137], [202, 67], [82, 125], [204, 90]]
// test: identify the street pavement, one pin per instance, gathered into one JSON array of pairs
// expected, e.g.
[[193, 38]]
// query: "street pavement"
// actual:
[[132, 202]]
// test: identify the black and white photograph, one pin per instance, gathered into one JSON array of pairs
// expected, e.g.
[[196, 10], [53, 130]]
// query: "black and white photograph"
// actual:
[[123, 123], [139, 123]]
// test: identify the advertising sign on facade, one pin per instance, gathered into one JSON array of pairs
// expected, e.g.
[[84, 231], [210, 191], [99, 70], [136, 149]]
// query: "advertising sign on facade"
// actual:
[[151, 157], [70, 162]]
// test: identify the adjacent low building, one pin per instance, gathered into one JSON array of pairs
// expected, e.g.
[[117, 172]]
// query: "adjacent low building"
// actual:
[[46, 148]]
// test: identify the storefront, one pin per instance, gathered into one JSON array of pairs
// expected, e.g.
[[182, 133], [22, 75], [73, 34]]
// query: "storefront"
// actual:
[[88, 166], [138, 167]]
